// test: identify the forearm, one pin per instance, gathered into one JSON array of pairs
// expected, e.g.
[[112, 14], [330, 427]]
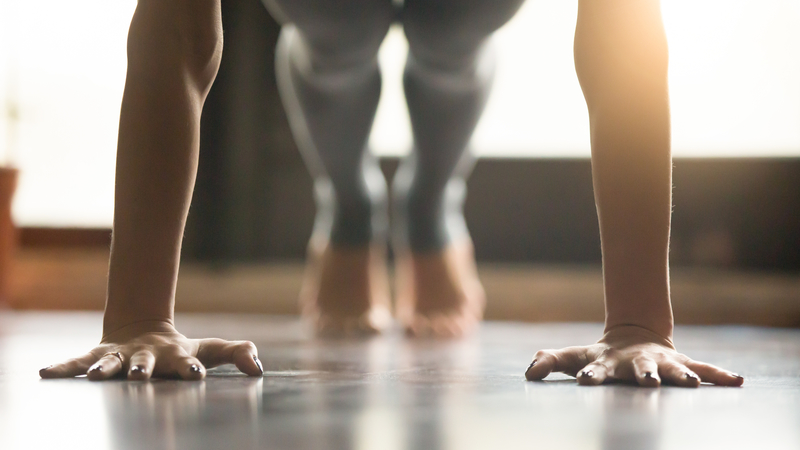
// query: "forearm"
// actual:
[[621, 59], [156, 166], [632, 179]]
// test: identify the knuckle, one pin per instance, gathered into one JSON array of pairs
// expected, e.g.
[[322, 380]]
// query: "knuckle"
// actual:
[[610, 353], [247, 346], [641, 360], [604, 364]]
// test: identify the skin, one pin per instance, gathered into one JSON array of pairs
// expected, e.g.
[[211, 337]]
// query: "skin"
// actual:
[[174, 53], [621, 60]]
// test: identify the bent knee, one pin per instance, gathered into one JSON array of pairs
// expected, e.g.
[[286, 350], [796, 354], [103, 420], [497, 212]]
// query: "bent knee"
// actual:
[[338, 34], [184, 33], [449, 36]]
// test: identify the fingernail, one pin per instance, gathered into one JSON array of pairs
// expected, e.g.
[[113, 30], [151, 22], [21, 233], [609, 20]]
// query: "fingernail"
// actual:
[[692, 376], [194, 368], [587, 374], [46, 368], [649, 375], [96, 369], [258, 363], [736, 375], [531, 366], [137, 369]]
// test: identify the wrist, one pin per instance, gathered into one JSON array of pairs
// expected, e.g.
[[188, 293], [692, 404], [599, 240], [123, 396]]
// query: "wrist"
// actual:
[[626, 331], [113, 328], [662, 327]]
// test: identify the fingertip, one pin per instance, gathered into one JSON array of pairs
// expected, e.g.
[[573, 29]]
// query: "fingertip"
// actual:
[[532, 373], [194, 372], [246, 360], [690, 379], [96, 373], [541, 366], [251, 366], [138, 373], [43, 373], [588, 378], [737, 380], [258, 365], [649, 379]]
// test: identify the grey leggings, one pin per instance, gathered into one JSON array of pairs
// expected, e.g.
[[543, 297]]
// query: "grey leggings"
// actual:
[[330, 83]]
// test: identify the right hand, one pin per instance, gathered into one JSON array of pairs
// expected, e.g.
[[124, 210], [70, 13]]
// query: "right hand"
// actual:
[[156, 348]]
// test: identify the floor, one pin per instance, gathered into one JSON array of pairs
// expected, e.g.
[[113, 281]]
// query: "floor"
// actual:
[[393, 393]]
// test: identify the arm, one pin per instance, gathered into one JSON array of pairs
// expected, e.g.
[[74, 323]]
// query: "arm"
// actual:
[[174, 51], [621, 60]]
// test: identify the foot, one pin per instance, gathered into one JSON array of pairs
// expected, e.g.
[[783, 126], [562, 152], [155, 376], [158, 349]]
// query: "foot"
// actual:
[[345, 291], [439, 293]]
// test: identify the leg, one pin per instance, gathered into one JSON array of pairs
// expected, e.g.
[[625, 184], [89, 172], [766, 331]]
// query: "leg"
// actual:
[[447, 81], [330, 84]]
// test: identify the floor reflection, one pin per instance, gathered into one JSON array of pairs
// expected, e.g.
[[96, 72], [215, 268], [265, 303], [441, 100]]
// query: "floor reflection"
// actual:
[[392, 393], [174, 414], [632, 418]]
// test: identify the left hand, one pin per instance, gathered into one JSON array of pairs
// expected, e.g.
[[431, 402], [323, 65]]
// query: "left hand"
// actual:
[[630, 354]]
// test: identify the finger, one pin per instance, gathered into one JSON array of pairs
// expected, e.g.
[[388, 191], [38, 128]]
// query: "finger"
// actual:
[[674, 373], [176, 361], [596, 372], [141, 365], [70, 368], [190, 368], [105, 367], [646, 372], [713, 374], [244, 354], [567, 360]]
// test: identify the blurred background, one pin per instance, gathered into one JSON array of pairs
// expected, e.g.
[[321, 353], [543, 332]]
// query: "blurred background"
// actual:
[[735, 95]]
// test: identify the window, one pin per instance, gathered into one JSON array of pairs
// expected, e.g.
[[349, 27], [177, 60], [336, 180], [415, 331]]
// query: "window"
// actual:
[[734, 77], [62, 70], [734, 83]]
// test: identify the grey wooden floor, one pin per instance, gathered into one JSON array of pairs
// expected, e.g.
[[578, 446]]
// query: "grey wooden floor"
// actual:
[[392, 393]]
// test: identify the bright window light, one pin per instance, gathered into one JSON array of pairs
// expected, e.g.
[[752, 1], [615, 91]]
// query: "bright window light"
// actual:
[[63, 73], [734, 82]]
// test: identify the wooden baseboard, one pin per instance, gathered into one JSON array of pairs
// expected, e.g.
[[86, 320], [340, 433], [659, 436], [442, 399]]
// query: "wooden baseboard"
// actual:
[[46, 237], [75, 279]]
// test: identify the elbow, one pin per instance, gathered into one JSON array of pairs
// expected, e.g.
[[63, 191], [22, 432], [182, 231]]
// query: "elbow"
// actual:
[[183, 37], [621, 55], [624, 79]]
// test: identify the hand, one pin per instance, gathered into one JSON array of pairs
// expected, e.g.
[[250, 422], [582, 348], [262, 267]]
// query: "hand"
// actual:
[[155, 348], [629, 354]]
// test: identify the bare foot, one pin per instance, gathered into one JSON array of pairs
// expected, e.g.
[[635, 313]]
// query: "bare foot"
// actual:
[[346, 290], [439, 293]]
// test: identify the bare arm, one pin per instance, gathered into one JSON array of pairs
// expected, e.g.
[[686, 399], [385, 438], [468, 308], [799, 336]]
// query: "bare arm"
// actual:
[[621, 59], [174, 51]]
